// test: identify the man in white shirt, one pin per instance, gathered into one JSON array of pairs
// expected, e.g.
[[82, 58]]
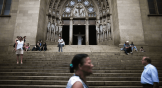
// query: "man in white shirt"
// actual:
[[61, 43], [149, 77]]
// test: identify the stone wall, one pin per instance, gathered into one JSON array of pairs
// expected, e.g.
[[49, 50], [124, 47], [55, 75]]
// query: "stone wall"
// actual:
[[27, 20], [7, 27], [42, 24], [115, 22], [152, 26], [130, 22]]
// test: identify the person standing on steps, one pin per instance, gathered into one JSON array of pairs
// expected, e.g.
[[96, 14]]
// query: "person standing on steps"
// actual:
[[149, 77], [19, 49], [82, 65], [60, 43]]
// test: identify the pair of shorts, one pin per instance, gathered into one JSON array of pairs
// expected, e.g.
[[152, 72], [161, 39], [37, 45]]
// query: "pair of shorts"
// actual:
[[19, 51]]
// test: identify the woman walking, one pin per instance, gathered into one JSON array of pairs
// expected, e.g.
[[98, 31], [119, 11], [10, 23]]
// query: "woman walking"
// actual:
[[19, 49], [82, 65]]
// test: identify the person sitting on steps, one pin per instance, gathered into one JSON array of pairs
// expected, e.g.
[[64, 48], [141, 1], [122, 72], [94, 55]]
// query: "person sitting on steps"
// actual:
[[44, 47], [142, 50], [127, 48], [37, 47], [123, 46], [27, 47], [133, 47]]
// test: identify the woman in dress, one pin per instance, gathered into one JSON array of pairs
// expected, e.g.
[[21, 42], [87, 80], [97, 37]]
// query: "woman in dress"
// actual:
[[82, 65], [19, 49]]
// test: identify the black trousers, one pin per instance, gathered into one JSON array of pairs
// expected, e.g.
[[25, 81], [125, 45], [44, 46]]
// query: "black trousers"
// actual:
[[147, 86]]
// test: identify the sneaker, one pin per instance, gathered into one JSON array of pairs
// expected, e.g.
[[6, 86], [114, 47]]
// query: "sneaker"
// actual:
[[17, 62], [131, 52], [21, 62], [127, 53]]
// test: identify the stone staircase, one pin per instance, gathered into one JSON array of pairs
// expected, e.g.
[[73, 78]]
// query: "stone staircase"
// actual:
[[51, 69]]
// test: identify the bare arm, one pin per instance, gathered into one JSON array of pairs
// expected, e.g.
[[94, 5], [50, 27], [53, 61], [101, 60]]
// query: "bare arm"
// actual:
[[156, 85], [15, 40], [77, 85]]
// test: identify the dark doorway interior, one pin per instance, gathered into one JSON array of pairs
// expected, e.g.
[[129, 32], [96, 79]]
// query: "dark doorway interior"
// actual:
[[65, 34], [92, 35], [76, 30]]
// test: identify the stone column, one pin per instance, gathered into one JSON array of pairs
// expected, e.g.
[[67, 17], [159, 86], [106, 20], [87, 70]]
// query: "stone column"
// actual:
[[71, 32], [87, 32]]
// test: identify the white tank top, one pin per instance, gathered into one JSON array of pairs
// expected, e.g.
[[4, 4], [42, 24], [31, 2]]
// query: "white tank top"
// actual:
[[74, 79], [20, 45]]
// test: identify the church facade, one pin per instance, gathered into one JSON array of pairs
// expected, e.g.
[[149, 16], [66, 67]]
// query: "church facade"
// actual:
[[100, 22]]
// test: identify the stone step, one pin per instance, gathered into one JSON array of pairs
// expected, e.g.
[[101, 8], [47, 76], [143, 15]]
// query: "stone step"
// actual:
[[65, 78], [71, 56], [57, 82], [70, 74], [62, 86], [67, 65], [95, 68], [39, 53], [67, 71], [158, 63], [69, 59]]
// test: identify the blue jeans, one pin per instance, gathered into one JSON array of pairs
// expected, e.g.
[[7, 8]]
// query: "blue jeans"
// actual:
[[133, 48], [60, 46]]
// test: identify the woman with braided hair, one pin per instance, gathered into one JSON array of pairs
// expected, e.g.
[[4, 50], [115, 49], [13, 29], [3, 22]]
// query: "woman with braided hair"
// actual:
[[82, 67]]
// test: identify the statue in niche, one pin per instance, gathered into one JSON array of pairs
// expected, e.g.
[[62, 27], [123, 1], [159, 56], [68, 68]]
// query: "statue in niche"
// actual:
[[109, 31], [79, 11], [60, 28], [56, 32], [104, 32], [48, 30], [98, 30], [82, 13], [101, 33], [97, 26], [80, 39], [52, 32]]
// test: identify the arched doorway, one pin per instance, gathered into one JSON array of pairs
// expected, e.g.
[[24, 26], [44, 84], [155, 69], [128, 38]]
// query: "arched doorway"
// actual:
[[92, 16]]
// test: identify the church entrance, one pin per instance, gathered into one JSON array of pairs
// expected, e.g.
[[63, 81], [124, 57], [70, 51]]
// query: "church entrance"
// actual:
[[92, 35], [65, 34], [79, 35]]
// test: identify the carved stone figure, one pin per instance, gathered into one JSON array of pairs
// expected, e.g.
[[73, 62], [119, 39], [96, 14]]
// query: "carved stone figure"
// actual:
[[101, 33], [52, 32], [79, 11], [104, 32], [109, 30], [98, 30], [60, 28], [48, 31]]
